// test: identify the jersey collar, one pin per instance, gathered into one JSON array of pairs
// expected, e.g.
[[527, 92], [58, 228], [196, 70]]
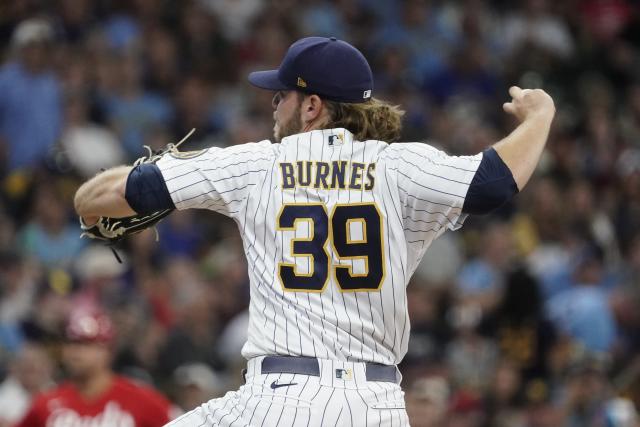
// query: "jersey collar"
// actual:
[[332, 137]]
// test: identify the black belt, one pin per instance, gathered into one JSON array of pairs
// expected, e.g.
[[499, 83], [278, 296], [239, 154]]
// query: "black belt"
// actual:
[[310, 366]]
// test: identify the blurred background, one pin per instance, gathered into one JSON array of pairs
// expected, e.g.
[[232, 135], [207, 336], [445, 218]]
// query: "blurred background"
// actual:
[[527, 317]]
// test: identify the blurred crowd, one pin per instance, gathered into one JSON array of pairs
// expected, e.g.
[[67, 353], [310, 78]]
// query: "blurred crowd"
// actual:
[[529, 317]]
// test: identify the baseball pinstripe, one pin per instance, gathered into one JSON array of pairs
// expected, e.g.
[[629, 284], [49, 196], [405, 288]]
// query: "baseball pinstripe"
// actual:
[[312, 402], [332, 229]]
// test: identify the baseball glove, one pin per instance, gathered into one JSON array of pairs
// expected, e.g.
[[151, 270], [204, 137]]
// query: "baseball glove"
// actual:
[[112, 230]]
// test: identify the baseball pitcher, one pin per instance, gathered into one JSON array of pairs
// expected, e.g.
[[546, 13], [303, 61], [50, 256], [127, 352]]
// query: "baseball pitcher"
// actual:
[[334, 221]]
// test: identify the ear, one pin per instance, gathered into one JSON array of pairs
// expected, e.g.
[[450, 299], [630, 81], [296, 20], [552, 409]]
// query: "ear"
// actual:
[[311, 109]]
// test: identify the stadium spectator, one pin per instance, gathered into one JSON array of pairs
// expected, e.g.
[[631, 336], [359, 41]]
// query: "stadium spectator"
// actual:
[[30, 113], [583, 312], [94, 394]]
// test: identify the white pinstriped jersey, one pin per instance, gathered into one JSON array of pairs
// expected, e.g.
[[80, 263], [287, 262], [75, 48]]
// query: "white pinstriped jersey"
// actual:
[[332, 229]]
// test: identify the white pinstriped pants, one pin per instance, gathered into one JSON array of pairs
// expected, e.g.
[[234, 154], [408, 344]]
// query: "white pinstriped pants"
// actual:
[[302, 400]]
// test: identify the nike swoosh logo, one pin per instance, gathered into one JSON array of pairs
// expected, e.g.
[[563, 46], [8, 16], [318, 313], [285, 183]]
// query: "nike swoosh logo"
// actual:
[[275, 385]]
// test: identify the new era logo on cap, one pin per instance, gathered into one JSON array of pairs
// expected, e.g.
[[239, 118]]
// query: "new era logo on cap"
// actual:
[[366, 94]]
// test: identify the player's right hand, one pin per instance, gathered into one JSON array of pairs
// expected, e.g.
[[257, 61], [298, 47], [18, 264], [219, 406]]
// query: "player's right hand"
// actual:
[[526, 103]]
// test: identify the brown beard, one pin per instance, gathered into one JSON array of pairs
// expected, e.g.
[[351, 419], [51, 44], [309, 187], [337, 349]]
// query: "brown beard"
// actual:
[[291, 127]]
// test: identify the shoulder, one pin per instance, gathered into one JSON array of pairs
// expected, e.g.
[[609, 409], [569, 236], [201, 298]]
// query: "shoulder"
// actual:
[[264, 146], [9, 69], [143, 393], [225, 156], [242, 155], [64, 389], [41, 401], [249, 149], [417, 153], [8, 76], [398, 149], [409, 154]]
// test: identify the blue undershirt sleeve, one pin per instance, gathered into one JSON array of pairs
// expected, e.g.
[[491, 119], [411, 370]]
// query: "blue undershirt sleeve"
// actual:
[[492, 185], [146, 192]]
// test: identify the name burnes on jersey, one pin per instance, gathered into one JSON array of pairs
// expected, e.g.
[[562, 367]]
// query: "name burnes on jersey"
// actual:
[[339, 174]]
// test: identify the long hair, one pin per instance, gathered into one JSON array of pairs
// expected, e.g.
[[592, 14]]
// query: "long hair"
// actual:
[[373, 119]]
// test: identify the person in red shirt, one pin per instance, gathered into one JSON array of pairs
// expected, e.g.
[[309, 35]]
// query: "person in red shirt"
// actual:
[[94, 395]]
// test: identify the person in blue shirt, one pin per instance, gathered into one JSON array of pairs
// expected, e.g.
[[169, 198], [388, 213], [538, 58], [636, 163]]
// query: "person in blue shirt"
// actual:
[[30, 105], [582, 312], [130, 109]]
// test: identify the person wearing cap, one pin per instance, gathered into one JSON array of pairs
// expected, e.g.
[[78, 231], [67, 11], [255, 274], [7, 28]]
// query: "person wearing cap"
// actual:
[[94, 395], [334, 220], [31, 101]]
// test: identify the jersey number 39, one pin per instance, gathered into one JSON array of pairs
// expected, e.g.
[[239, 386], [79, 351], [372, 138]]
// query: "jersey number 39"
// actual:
[[339, 228]]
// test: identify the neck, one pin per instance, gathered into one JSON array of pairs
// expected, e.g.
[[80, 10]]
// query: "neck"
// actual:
[[315, 124], [318, 122], [94, 385]]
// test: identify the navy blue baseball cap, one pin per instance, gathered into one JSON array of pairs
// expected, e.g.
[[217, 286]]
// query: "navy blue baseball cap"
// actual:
[[328, 67]]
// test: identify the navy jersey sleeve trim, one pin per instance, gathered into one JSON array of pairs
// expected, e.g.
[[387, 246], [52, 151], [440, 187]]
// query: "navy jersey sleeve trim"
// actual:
[[492, 185], [146, 192]]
